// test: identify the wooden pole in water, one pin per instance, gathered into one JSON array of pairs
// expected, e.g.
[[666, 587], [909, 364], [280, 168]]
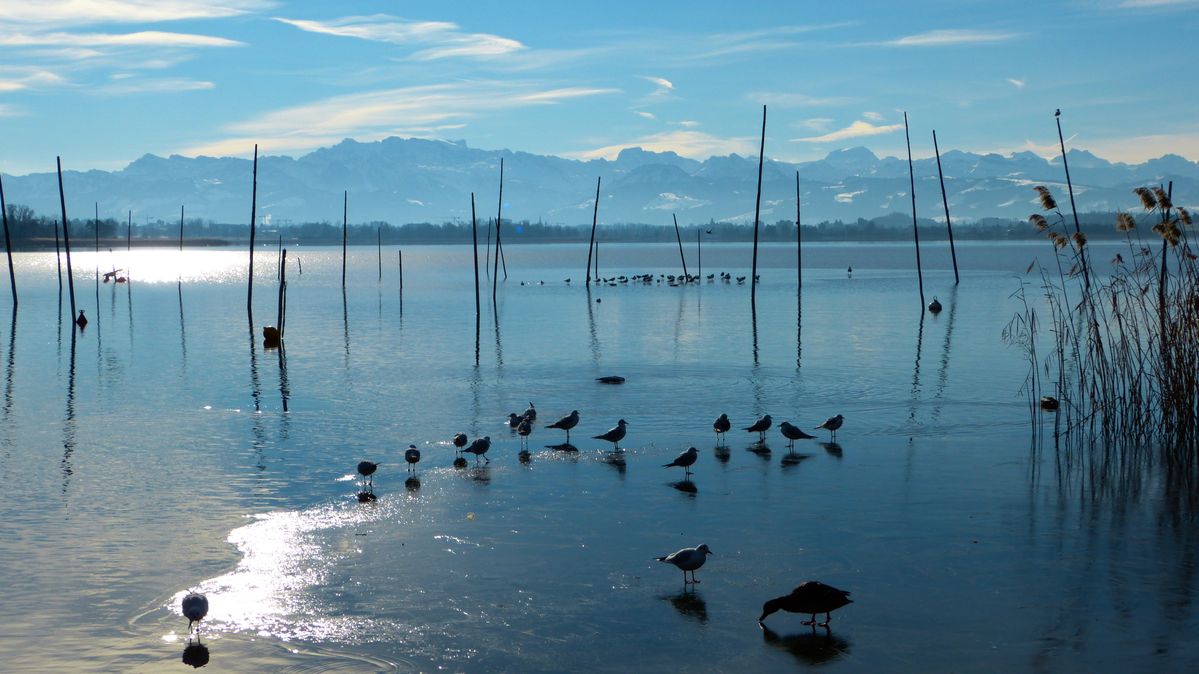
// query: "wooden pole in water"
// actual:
[[400, 255], [282, 311], [1082, 257], [379, 244], [699, 255], [66, 239], [487, 260], [96, 232], [253, 220], [915, 229], [495, 273], [279, 274], [12, 275], [678, 237], [345, 209], [753, 288], [945, 200], [474, 238], [594, 219], [798, 239]]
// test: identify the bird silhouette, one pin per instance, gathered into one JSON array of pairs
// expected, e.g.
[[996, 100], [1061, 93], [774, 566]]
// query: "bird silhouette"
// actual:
[[366, 469], [760, 426], [566, 423], [195, 607], [793, 433], [688, 559], [831, 424], [810, 597], [686, 459], [412, 456], [721, 426], [479, 448], [614, 435]]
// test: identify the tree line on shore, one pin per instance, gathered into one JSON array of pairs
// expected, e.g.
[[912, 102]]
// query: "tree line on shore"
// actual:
[[30, 230]]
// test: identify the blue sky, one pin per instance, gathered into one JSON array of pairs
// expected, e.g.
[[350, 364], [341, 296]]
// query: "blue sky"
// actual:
[[102, 82]]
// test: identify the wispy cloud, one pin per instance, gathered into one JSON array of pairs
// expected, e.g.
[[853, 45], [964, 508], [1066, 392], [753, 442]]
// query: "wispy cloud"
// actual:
[[16, 79], [794, 100], [645, 114], [950, 37], [436, 39], [125, 85], [755, 41], [1142, 4], [1019, 84], [83, 12], [662, 82], [687, 123], [419, 110], [149, 38], [815, 123], [873, 116], [9, 110], [858, 129], [694, 144]]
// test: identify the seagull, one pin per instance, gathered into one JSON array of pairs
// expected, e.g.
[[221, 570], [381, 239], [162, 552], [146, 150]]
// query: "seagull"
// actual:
[[459, 441], [366, 469], [810, 597], [195, 607], [688, 559], [479, 448], [614, 434], [566, 423], [934, 306], [412, 456], [792, 433], [530, 414], [831, 424], [513, 420], [760, 427], [721, 426], [523, 430], [685, 460]]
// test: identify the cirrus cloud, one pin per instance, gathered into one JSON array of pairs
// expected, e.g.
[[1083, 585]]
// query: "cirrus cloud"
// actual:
[[858, 129]]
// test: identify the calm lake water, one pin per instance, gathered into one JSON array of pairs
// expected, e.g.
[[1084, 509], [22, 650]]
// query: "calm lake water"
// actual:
[[152, 453]]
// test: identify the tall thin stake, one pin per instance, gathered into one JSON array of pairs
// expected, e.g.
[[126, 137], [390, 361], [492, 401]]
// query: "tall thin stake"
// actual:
[[12, 275], [279, 316], [678, 237], [495, 273], [66, 238], [253, 220], [96, 232], [487, 260], [345, 209], [915, 229], [753, 287], [379, 243], [798, 239], [400, 255], [1082, 257], [474, 238], [945, 200], [594, 219], [699, 254]]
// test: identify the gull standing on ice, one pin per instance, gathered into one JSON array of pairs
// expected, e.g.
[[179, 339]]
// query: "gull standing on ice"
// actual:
[[566, 423], [195, 607], [793, 433], [412, 456], [721, 426], [366, 469], [760, 427], [688, 559], [831, 424], [686, 459], [614, 434], [479, 448]]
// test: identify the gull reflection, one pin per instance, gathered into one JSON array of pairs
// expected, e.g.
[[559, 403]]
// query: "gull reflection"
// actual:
[[721, 452], [195, 655], [412, 484], [811, 648], [791, 458], [761, 449], [833, 449], [690, 604], [686, 486]]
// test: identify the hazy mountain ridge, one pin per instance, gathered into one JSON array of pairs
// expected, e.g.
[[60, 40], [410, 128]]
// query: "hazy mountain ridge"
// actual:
[[417, 180]]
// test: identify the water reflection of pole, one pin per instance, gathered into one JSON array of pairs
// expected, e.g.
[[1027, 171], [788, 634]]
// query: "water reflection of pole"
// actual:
[[943, 373], [916, 370], [182, 328], [753, 312], [12, 275], [345, 227], [595, 345], [474, 238], [255, 385], [10, 367], [594, 220], [68, 425], [284, 386], [915, 229], [345, 325]]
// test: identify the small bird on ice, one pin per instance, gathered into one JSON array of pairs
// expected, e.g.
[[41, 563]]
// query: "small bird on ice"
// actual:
[[412, 456], [831, 424], [195, 607], [686, 459], [688, 559]]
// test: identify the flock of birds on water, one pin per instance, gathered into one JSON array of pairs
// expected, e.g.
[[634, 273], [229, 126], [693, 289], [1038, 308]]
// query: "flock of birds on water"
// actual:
[[809, 598]]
